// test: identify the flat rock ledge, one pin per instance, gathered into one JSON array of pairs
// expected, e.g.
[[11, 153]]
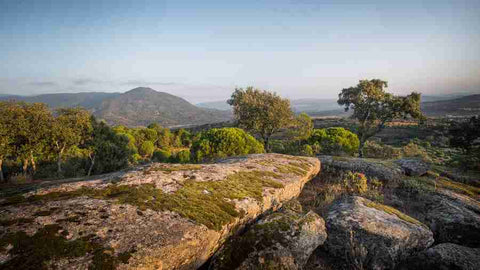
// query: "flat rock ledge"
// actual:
[[373, 236], [282, 240], [158, 216]]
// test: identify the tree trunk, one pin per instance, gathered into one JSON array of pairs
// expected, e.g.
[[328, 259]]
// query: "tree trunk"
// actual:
[[1, 171], [59, 162], [91, 166], [25, 167], [360, 148], [266, 144], [34, 166]]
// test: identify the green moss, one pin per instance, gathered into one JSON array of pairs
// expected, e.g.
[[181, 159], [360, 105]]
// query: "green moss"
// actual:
[[180, 167], [468, 190], [393, 211], [33, 252], [204, 202], [47, 244], [297, 168]]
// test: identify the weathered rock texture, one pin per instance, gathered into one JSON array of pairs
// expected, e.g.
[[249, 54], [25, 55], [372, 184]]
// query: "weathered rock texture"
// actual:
[[159, 216], [444, 257], [453, 218], [413, 167], [384, 171], [371, 235], [282, 240]]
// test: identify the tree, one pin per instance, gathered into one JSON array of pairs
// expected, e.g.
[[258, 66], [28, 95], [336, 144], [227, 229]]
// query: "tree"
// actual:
[[303, 127], [33, 126], [7, 134], [373, 107], [70, 128], [108, 151], [261, 112]]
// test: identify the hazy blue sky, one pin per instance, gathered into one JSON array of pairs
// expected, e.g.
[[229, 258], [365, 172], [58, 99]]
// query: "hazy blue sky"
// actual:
[[201, 50]]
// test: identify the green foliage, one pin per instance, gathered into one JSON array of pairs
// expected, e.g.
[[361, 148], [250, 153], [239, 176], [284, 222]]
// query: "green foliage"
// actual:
[[355, 183], [307, 150], [146, 149], [162, 155], [466, 136], [303, 127], [183, 156], [260, 112], [224, 142], [373, 107], [372, 149], [335, 140]]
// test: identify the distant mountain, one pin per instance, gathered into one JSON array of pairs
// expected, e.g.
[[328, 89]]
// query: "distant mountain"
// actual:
[[216, 105], [88, 100], [463, 106], [142, 106], [298, 105], [138, 107]]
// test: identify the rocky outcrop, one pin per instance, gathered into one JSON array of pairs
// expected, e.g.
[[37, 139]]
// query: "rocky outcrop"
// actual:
[[453, 218], [382, 170], [159, 216], [372, 235], [282, 240], [444, 257], [413, 167]]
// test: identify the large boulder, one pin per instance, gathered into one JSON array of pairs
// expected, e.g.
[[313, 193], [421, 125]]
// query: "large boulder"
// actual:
[[372, 235], [282, 240], [413, 167], [453, 218], [386, 171], [444, 257], [159, 216]]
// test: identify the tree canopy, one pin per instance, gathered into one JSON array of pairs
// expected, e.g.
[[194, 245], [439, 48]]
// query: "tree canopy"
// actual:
[[373, 107], [260, 112]]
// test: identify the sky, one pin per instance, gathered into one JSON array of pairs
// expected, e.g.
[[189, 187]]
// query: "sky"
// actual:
[[203, 50]]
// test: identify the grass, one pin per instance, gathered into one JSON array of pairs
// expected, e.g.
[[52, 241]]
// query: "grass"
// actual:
[[208, 203], [297, 168], [471, 191], [393, 211]]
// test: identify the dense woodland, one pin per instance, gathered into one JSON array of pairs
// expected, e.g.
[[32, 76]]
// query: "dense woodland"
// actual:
[[38, 143]]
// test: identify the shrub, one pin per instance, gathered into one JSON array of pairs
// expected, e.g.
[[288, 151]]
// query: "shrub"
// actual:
[[147, 148], [224, 142], [162, 155], [414, 150], [306, 150], [182, 157], [372, 149], [355, 183], [335, 141]]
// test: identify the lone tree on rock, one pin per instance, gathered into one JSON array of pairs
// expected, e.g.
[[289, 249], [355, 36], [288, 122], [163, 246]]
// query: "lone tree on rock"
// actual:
[[261, 112], [373, 107]]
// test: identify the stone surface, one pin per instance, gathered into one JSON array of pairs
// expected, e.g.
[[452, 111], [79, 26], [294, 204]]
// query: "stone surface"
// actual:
[[413, 167], [453, 218], [444, 257], [366, 236], [382, 170], [282, 240], [159, 216]]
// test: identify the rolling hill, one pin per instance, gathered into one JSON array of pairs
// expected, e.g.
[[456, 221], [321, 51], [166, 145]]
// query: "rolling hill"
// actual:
[[463, 106], [137, 107]]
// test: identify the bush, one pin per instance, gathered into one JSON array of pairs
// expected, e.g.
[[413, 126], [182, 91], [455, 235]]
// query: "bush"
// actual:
[[147, 148], [162, 155], [414, 150], [355, 183], [306, 150], [335, 141], [372, 149], [224, 142], [182, 157]]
